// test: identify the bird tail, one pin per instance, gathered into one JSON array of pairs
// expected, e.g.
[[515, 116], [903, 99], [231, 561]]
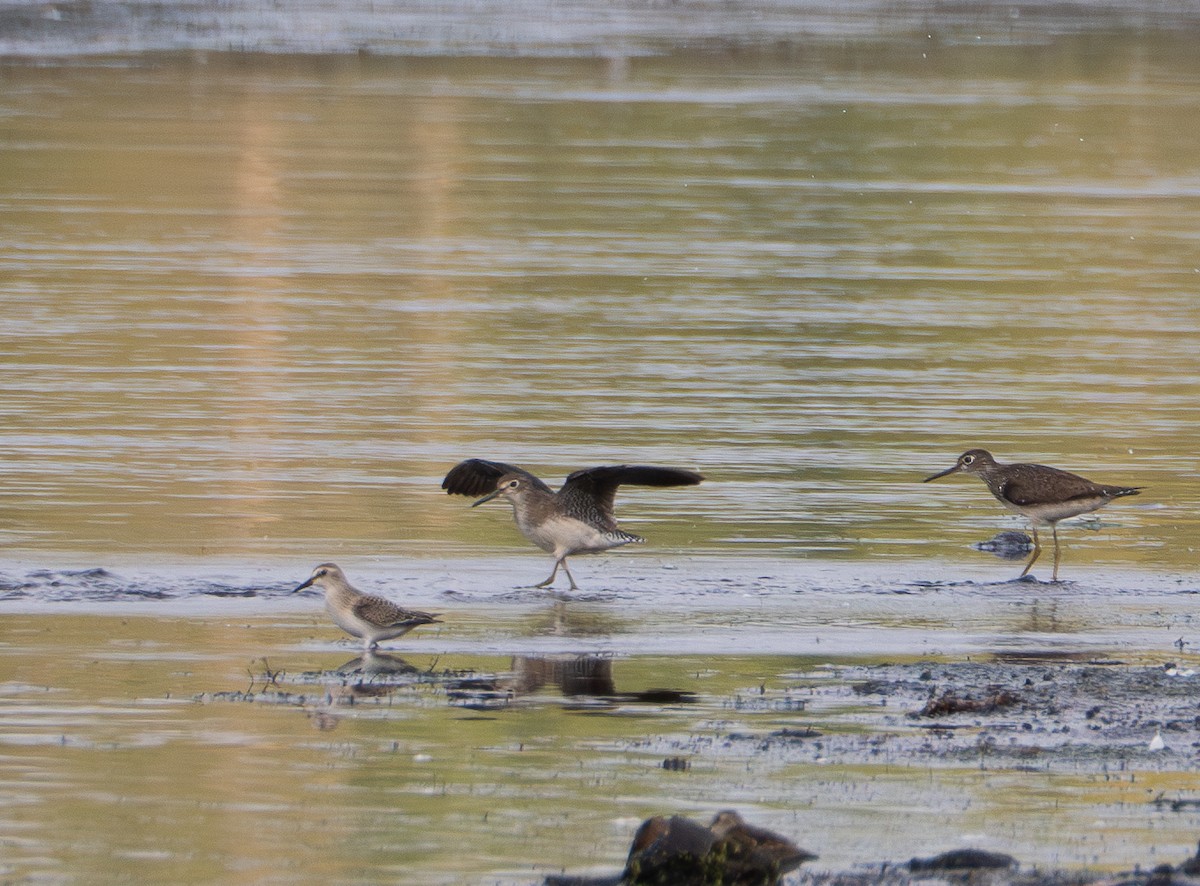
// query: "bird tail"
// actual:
[[621, 537], [1119, 491]]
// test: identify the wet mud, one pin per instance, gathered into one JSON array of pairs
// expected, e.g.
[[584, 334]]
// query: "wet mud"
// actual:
[[1050, 712], [1066, 713], [1015, 712]]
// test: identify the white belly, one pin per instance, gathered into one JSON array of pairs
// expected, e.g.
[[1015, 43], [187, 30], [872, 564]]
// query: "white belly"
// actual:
[[562, 536], [1052, 512]]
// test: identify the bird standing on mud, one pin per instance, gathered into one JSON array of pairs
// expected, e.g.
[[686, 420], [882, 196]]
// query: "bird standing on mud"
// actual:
[[365, 616], [1042, 494], [578, 519]]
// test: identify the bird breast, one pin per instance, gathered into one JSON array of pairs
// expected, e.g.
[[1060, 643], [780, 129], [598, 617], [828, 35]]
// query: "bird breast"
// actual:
[[343, 616]]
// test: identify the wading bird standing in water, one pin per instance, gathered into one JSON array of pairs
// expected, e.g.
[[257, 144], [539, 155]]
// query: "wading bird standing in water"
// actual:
[[365, 616], [578, 519], [1039, 493]]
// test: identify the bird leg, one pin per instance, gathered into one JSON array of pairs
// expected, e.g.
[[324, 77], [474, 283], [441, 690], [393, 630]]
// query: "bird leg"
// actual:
[[562, 561], [1037, 549], [1054, 531]]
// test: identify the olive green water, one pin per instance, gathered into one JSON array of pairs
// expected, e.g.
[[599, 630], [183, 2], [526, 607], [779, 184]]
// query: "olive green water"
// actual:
[[255, 306]]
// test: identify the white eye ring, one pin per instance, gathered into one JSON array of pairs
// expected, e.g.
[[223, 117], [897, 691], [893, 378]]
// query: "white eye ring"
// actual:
[[967, 459]]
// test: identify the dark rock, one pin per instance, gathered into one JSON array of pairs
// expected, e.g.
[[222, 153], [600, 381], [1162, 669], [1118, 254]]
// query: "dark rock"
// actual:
[[952, 703], [678, 851], [1191, 867], [963, 859]]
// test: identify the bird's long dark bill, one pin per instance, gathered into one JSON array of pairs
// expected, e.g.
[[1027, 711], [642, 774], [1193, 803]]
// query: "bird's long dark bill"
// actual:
[[485, 499], [307, 584], [944, 473]]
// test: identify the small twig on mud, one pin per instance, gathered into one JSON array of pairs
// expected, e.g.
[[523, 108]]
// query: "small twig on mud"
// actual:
[[272, 676]]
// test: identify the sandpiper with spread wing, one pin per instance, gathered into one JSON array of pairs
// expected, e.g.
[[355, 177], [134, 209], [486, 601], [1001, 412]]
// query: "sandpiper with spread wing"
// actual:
[[578, 518]]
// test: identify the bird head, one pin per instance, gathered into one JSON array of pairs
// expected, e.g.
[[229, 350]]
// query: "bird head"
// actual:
[[973, 461], [510, 486], [323, 574]]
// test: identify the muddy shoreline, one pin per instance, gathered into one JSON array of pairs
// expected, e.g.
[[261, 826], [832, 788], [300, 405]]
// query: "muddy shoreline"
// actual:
[[1071, 714]]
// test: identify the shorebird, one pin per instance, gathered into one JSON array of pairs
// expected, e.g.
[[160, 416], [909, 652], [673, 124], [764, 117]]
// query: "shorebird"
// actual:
[[729, 850], [1041, 494], [578, 519], [759, 848], [365, 616]]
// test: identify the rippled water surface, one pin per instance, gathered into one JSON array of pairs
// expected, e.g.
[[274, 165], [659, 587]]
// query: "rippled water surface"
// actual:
[[260, 305], [256, 305]]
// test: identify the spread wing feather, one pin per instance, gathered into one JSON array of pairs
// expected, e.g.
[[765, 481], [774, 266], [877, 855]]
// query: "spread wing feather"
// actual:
[[478, 476], [592, 491]]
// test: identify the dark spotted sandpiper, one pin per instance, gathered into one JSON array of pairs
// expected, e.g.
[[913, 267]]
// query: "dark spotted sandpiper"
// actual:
[[365, 616], [1042, 494], [729, 850], [578, 519]]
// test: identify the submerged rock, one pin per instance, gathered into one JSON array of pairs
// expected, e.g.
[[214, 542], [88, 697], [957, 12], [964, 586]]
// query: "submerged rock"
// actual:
[[1007, 545], [963, 860]]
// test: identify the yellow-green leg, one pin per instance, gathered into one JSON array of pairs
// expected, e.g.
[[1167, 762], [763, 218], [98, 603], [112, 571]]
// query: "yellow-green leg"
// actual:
[[1054, 531], [550, 580], [1037, 549]]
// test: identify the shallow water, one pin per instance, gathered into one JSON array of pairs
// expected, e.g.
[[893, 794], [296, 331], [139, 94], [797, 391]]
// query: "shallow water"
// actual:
[[192, 726], [256, 305], [183, 740]]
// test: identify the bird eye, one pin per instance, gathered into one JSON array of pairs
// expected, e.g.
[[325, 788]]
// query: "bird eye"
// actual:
[[513, 484], [967, 459]]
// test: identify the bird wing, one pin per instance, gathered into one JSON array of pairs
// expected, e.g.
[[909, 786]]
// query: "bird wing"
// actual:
[[592, 491], [385, 613], [1031, 488], [759, 845], [478, 476]]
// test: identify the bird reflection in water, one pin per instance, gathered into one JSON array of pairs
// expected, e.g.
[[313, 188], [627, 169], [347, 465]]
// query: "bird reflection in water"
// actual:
[[584, 680], [572, 675], [368, 676], [378, 666]]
